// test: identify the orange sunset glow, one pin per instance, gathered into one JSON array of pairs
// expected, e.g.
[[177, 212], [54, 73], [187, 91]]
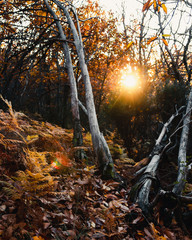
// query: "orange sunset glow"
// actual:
[[129, 81]]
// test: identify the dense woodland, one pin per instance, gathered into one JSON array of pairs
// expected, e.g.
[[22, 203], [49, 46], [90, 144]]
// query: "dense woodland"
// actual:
[[82, 154]]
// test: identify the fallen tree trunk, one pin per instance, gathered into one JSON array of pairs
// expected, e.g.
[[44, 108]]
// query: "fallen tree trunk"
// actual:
[[141, 190], [182, 161]]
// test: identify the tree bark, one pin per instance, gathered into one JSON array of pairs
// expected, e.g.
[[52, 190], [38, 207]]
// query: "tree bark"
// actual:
[[77, 136], [182, 161], [142, 188], [100, 146]]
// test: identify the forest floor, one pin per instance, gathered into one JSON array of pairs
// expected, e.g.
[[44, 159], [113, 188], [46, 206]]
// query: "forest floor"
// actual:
[[46, 194]]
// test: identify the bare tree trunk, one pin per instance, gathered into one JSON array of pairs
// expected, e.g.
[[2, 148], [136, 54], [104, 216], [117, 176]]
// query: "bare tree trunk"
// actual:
[[100, 146], [141, 190], [77, 137], [182, 161]]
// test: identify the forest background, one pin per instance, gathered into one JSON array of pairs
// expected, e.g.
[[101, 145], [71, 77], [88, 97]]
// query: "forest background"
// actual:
[[150, 48], [34, 78]]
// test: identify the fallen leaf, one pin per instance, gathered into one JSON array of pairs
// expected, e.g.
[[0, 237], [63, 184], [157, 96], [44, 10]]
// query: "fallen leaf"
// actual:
[[72, 234], [46, 225], [148, 233], [2, 208], [83, 182], [38, 238]]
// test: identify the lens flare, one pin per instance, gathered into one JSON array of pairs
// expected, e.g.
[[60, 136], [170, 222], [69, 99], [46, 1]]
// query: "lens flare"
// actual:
[[129, 81]]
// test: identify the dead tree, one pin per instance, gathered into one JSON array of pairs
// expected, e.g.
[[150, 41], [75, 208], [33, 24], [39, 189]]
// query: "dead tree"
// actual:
[[141, 190], [171, 201], [77, 136], [100, 146], [182, 156]]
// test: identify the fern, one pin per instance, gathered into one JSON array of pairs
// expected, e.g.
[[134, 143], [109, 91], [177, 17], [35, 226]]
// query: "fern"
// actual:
[[11, 112], [37, 162], [27, 185], [10, 189], [35, 183]]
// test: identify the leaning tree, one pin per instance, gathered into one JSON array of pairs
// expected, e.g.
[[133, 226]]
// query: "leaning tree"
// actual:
[[50, 29], [100, 146]]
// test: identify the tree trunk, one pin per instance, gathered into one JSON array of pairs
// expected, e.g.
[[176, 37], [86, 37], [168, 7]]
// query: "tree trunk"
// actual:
[[77, 136], [100, 146], [142, 188], [182, 161]]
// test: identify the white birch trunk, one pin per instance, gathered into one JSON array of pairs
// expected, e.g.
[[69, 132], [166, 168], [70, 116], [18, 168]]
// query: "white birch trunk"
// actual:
[[182, 161], [100, 146], [78, 140], [143, 195]]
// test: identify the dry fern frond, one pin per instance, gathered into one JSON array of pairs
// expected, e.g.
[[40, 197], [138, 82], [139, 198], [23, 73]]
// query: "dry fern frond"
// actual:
[[10, 189], [36, 161], [35, 183], [27, 185], [11, 112]]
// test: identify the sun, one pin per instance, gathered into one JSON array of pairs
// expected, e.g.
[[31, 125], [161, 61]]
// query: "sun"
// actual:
[[129, 81]]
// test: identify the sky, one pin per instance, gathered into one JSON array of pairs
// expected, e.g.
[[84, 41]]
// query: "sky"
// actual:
[[115, 5]]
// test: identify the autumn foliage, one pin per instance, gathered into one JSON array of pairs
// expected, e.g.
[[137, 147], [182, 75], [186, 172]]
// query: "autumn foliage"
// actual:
[[46, 192]]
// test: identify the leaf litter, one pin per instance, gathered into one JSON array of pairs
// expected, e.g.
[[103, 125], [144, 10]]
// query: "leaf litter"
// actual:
[[45, 194]]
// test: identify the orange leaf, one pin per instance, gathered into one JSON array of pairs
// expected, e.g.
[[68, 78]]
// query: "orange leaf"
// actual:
[[150, 4], [165, 42], [189, 206], [38, 238], [164, 8], [146, 6], [155, 4], [129, 44], [151, 40]]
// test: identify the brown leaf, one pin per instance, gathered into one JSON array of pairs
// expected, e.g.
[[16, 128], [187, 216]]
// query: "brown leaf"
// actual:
[[46, 225], [83, 182], [9, 218], [148, 233], [169, 234], [20, 225], [2, 208], [98, 235], [135, 221], [9, 232], [111, 196], [146, 6], [141, 163]]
